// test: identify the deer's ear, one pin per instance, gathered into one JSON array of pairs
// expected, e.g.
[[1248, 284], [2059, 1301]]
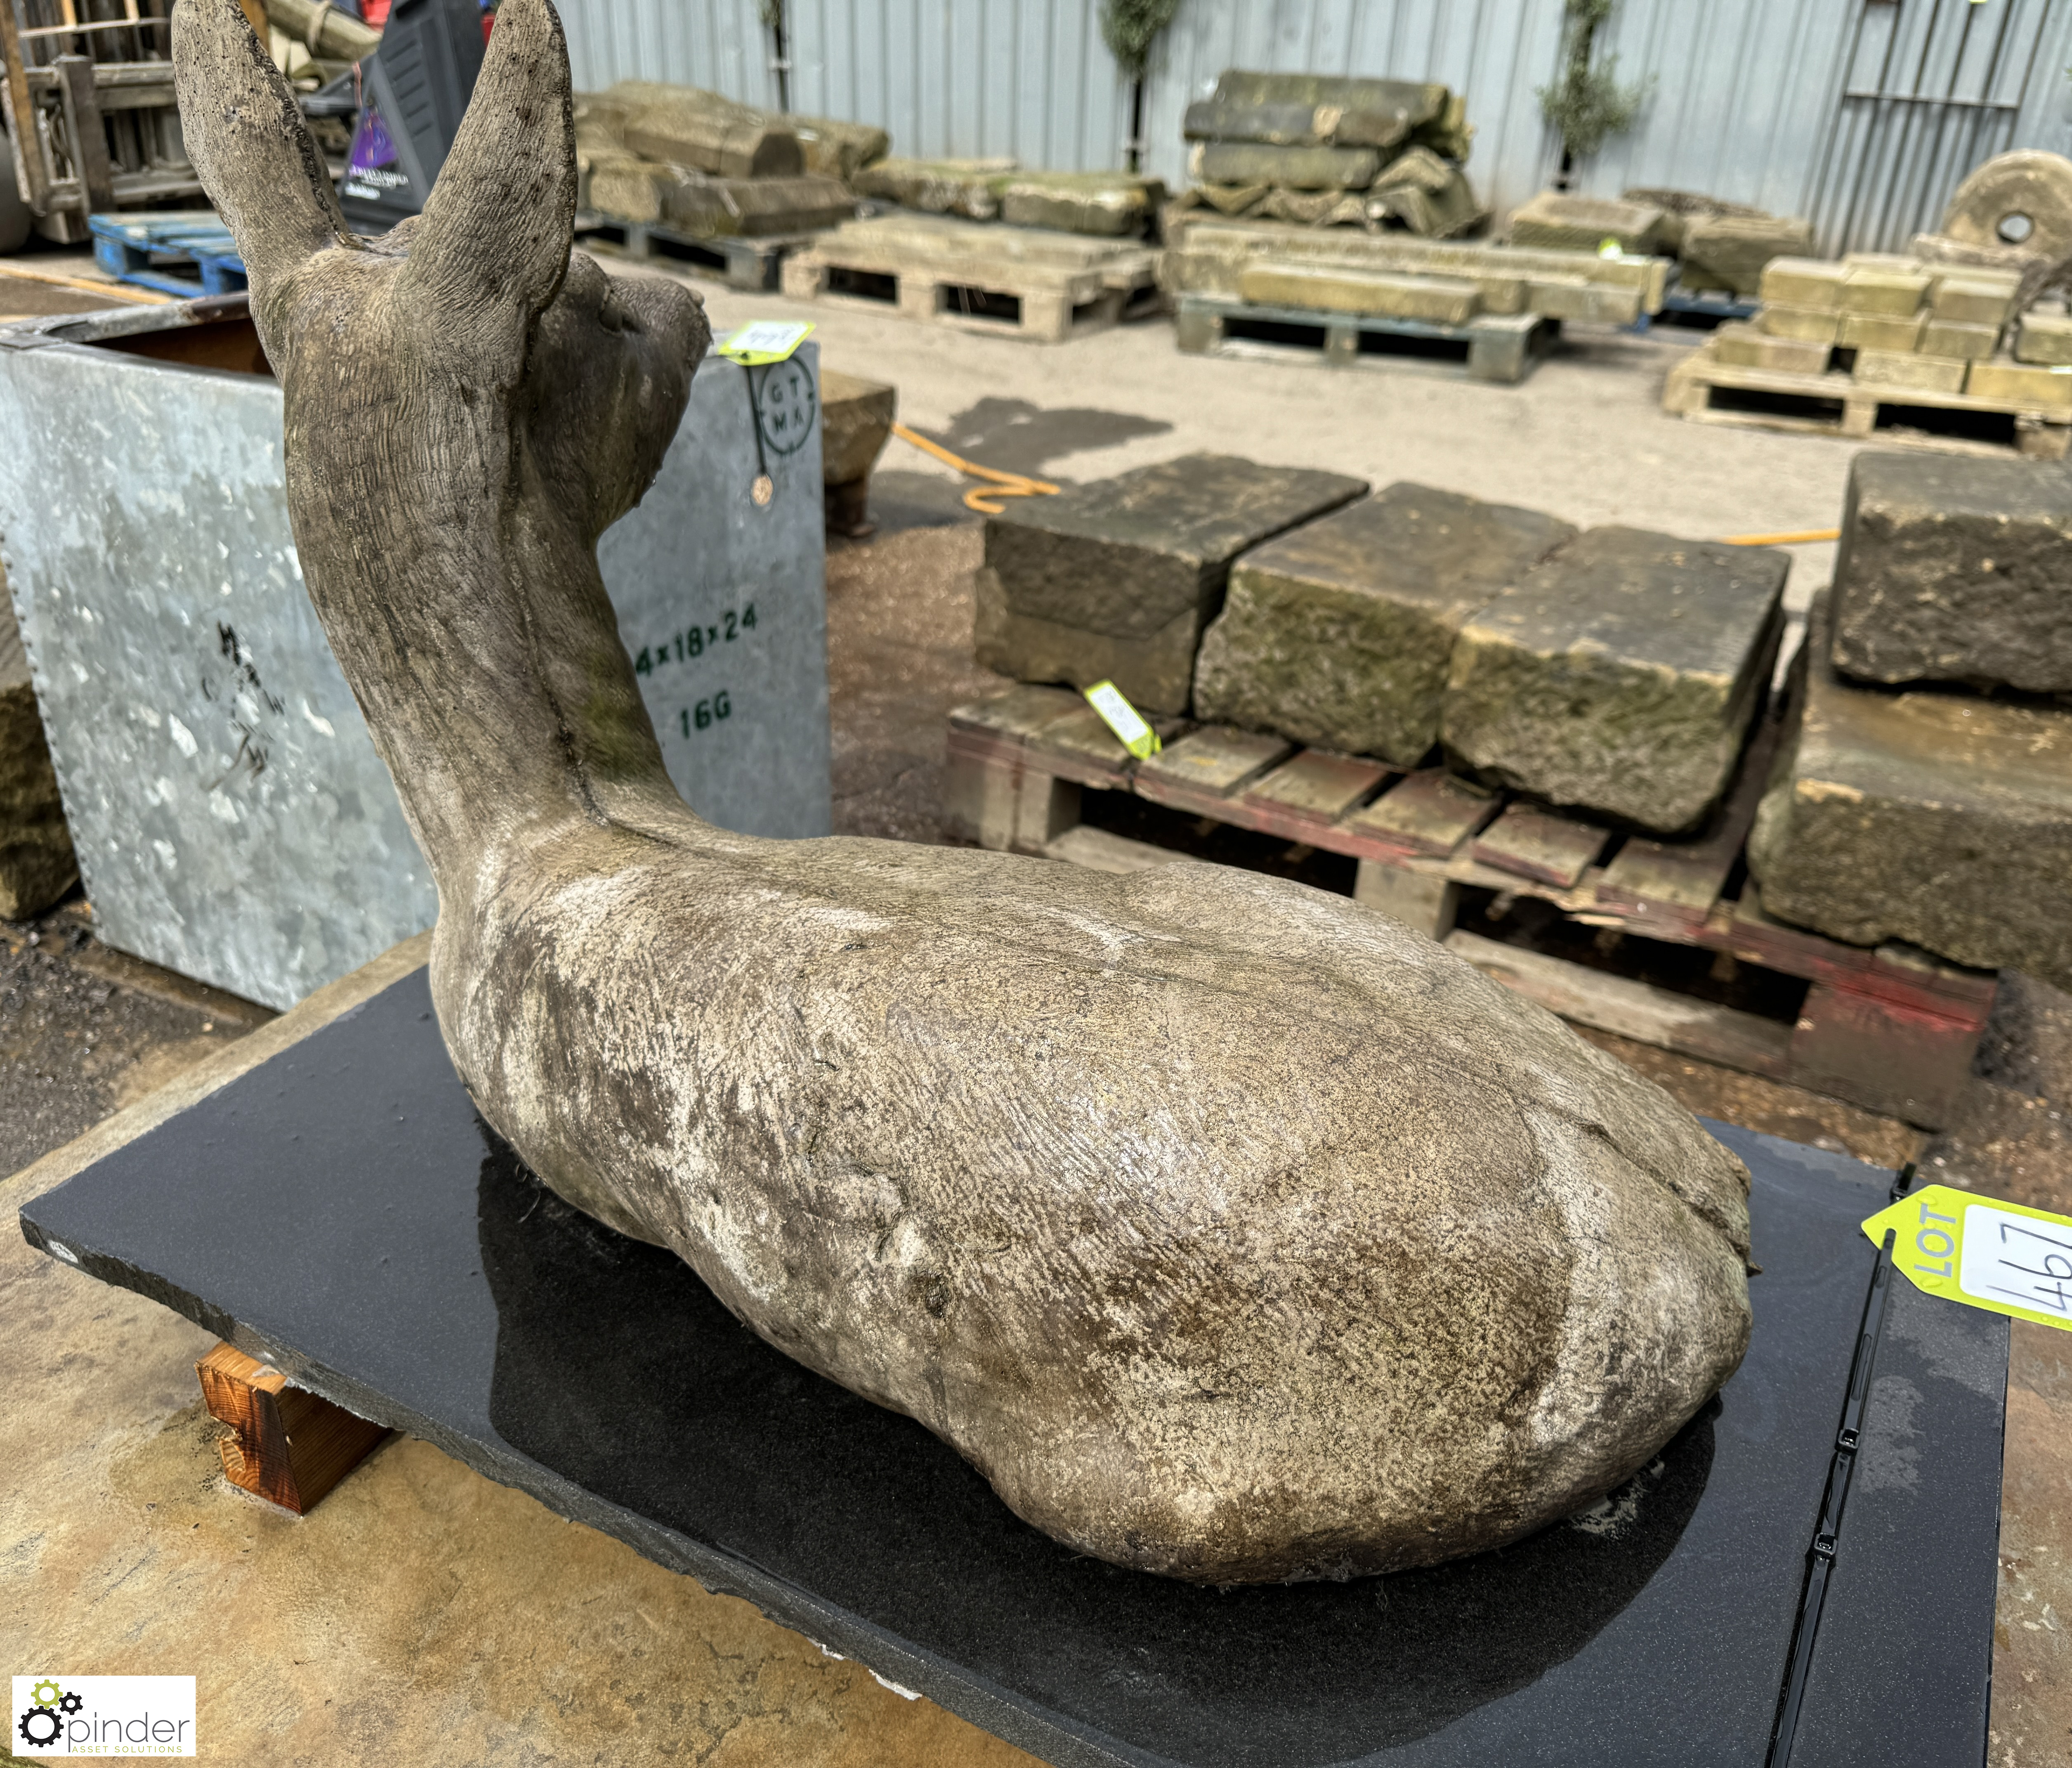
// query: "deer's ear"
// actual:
[[245, 135], [494, 237]]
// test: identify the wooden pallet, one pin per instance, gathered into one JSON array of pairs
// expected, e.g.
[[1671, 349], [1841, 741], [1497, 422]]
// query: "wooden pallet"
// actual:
[[1010, 281], [752, 265], [138, 248], [1504, 348], [1836, 404], [1718, 305], [1891, 1029]]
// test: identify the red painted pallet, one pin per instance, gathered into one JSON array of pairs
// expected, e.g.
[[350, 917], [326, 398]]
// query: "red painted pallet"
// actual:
[[1892, 1028]]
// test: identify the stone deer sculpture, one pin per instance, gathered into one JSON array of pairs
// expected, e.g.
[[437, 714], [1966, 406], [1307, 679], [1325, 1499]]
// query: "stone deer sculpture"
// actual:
[[1232, 1230]]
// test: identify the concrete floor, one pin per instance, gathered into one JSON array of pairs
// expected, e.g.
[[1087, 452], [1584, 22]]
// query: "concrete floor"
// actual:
[[423, 1614]]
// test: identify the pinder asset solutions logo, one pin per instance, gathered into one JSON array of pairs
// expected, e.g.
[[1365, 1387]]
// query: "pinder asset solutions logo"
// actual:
[[104, 1716]]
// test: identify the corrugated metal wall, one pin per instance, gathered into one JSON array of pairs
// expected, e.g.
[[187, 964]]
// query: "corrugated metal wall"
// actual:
[[1745, 98]]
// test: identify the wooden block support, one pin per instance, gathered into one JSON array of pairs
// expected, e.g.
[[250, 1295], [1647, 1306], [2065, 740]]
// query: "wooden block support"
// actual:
[[290, 1446], [1883, 1054], [1419, 899]]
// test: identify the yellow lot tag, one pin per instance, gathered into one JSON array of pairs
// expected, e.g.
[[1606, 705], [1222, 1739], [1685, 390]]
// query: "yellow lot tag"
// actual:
[[764, 341], [1120, 717], [2003, 1257]]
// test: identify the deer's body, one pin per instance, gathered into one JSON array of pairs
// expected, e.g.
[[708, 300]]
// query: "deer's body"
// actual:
[[1233, 1231]]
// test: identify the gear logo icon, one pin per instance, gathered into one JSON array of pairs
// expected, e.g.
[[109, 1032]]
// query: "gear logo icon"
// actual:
[[70, 1703], [42, 1700], [41, 1727]]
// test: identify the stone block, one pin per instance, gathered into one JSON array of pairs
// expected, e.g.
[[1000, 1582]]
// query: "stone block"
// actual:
[[1879, 331], [2045, 338], [1553, 220], [1340, 633], [1942, 820], [1807, 325], [1117, 579], [1908, 369], [1437, 300], [2025, 387], [1953, 570], [1952, 338], [36, 862], [969, 188], [1107, 205], [1803, 281], [750, 207], [1577, 298], [1620, 675], [1980, 298], [856, 418], [1288, 168], [1745, 346], [1891, 293], [1732, 251]]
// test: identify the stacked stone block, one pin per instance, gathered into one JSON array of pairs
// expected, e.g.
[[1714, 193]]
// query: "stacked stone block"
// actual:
[[1926, 794], [1321, 150], [1913, 326]]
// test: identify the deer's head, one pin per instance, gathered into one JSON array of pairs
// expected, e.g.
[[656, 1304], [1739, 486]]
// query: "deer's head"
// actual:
[[468, 405], [468, 348]]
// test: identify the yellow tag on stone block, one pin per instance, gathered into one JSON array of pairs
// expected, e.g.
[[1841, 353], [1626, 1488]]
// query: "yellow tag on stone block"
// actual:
[[1120, 717], [762, 342], [2004, 1257]]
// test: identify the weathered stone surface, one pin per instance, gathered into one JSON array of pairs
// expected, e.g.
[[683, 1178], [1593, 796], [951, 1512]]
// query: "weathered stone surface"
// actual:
[[1620, 675], [1941, 819], [1911, 369], [1952, 570], [752, 207], [1443, 211], [1116, 579], [1745, 346], [1980, 298], [1951, 338], [1338, 634], [1804, 325], [1234, 1233], [2045, 338], [2026, 388], [1346, 111], [1803, 281], [1880, 330], [1555, 220], [1680, 208], [1732, 251], [837, 149], [856, 418], [2028, 182], [1438, 300], [1892, 293], [969, 188], [1292, 168], [36, 863], [682, 125], [1111, 205]]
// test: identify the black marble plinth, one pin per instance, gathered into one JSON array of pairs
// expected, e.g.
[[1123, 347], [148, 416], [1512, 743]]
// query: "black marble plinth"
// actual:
[[342, 1209]]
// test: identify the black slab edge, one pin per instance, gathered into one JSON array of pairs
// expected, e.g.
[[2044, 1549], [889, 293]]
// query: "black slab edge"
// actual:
[[342, 1211]]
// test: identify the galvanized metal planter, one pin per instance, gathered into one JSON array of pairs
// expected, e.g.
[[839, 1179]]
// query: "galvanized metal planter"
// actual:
[[232, 820]]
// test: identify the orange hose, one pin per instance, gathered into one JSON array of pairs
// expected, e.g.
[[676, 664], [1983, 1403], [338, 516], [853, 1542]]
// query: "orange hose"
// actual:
[[1804, 538], [1002, 484]]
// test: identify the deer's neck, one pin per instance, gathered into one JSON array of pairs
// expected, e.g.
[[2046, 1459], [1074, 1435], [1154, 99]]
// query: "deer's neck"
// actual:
[[467, 613]]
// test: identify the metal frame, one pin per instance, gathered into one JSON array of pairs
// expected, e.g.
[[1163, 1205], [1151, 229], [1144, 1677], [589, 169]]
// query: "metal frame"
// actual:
[[1893, 152], [58, 109]]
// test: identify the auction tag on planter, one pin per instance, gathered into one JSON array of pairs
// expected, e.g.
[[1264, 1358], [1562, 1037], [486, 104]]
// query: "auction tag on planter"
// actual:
[[2003, 1257], [764, 341], [1120, 717]]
